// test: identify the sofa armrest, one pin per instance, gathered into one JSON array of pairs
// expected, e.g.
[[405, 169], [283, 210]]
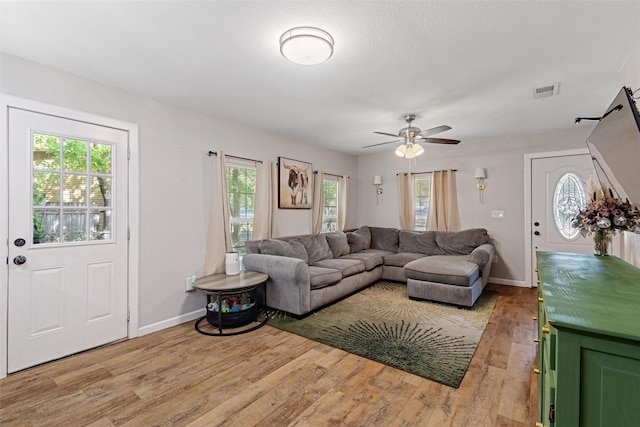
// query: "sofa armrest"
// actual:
[[485, 268], [289, 284]]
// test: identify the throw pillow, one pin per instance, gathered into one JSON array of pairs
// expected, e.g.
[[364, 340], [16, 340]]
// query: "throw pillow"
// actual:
[[338, 243], [385, 239], [291, 249], [461, 242], [357, 242], [419, 242], [316, 246]]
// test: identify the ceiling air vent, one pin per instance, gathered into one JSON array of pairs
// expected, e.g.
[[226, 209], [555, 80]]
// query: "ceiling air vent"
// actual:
[[546, 91]]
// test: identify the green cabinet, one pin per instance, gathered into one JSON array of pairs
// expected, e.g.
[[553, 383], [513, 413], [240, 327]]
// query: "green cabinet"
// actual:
[[589, 341]]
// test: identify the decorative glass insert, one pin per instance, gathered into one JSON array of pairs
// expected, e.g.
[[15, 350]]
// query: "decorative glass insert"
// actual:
[[568, 197]]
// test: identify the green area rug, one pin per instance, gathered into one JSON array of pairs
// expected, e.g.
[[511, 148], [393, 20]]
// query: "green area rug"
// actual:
[[432, 340]]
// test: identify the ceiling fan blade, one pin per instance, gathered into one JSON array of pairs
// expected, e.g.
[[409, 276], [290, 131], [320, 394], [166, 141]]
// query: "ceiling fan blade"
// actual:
[[382, 143], [395, 135], [433, 131], [440, 141]]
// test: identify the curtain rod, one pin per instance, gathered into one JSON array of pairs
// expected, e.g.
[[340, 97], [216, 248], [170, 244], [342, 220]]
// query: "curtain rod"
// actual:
[[331, 174], [215, 153], [417, 173]]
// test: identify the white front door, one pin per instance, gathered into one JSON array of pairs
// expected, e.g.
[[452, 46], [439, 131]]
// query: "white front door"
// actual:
[[67, 284], [559, 187]]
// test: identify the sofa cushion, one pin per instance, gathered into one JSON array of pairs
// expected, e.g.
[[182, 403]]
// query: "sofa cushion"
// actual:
[[461, 242], [316, 246], [348, 267], [292, 249], [338, 243], [400, 259], [369, 259], [384, 238], [321, 277], [422, 242], [360, 239], [447, 269]]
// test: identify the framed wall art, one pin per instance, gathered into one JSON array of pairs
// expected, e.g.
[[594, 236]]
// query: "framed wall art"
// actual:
[[295, 184]]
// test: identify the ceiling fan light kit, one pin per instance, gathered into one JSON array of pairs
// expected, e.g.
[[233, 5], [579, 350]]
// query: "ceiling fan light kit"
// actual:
[[306, 45], [410, 149]]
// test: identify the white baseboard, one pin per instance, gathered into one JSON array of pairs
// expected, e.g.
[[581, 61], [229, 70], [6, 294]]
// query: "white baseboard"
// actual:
[[508, 282], [164, 324]]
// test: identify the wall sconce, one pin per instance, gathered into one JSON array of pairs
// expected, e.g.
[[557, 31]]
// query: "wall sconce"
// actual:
[[377, 181], [480, 176]]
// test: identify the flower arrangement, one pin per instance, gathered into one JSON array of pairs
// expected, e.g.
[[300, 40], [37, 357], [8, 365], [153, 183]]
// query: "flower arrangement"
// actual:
[[605, 212], [605, 215]]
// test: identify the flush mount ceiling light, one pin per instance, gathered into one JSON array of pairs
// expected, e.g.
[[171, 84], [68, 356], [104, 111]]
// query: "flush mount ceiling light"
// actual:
[[306, 45]]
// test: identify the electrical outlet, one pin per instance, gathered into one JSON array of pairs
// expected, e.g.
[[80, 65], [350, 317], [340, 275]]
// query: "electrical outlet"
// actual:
[[188, 283]]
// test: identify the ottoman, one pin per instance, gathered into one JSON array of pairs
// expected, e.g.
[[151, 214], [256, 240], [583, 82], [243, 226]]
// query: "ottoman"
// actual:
[[444, 278]]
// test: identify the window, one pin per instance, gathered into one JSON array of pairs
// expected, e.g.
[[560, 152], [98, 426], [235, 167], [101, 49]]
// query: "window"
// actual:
[[72, 190], [330, 207], [568, 198], [422, 191], [241, 190]]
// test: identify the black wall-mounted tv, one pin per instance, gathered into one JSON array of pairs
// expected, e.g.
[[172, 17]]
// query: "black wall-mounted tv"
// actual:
[[614, 145]]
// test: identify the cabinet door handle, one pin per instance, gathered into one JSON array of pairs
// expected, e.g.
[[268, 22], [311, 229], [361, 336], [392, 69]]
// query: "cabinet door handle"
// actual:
[[540, 299], [536, 371], [539, 424], [536, 340], [535, 317], [545, 329]]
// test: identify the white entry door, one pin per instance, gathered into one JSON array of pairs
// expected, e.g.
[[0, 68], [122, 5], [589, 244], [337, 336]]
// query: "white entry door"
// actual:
[[559, 188], [67, 287]]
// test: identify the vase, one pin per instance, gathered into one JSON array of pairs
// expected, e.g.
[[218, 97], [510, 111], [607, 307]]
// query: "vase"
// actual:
[[601, 241]]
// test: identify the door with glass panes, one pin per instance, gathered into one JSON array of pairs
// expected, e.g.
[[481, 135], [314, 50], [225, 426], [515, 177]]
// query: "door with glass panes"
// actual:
[[559, 188], [67, 287]]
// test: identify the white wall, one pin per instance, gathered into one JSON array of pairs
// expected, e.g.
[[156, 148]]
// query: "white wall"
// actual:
[[174, 142], [503, 160]]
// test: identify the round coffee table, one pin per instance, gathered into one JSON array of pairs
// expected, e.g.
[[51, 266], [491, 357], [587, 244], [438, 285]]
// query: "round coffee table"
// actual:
[[219, 287]]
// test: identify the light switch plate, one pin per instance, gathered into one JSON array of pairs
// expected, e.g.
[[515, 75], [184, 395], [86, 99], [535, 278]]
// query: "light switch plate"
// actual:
[[499, 214]]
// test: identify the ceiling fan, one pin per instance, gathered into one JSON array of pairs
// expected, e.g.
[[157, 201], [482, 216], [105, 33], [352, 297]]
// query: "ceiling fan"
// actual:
[[411, 135]]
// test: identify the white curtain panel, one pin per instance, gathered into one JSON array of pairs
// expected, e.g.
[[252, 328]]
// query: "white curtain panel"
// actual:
[[443, 204], [318, 202], [343, 185], [218, 235], [263, 209], [405, 201]]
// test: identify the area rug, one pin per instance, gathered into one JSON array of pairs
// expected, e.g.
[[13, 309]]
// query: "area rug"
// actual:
[[432, 340]]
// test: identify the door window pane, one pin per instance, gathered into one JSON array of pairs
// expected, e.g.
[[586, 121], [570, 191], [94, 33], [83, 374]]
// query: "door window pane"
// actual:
[[75, 155], [100, 225], [46, 189], [61, 173], [569, 197], [75, 190], [101, 158], [100, 191], [46, 152], [75, 225]]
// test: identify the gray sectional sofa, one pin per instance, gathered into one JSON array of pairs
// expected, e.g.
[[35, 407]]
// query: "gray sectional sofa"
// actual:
[[310, 271]]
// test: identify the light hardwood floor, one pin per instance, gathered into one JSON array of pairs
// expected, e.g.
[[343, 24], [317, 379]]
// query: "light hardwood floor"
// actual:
[[273, 378]]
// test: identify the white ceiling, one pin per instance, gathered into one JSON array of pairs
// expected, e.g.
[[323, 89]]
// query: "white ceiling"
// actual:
[[472, 65]]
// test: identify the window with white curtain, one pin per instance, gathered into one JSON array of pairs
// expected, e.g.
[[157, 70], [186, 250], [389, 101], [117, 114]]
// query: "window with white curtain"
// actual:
[[330, 206], [422, 191], [241, 190]]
